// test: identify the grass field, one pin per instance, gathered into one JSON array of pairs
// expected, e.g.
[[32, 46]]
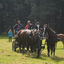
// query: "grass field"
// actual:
[[7, 56]]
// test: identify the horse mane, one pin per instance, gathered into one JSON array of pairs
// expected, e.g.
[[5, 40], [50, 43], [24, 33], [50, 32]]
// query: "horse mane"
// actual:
[[46, 25], [51, 33], [52, 30]]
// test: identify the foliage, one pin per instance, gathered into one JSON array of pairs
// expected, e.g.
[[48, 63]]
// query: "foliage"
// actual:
[[44, 11]]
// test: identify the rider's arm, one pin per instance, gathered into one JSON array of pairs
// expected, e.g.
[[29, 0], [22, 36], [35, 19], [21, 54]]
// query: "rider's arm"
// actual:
[[22, 27], [26, 27], [15, 27]]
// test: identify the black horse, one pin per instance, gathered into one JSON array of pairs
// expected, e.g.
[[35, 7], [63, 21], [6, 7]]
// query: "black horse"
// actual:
[[51, 38], [30, 38]]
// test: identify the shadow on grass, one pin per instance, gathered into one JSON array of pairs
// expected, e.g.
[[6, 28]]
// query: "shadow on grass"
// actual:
[[43, 56], [58, 59], [34, 55], [59, 49]]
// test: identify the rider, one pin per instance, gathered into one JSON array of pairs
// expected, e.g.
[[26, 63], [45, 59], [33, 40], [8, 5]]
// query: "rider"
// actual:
[[18, 26], [37, 26], [29, 25]]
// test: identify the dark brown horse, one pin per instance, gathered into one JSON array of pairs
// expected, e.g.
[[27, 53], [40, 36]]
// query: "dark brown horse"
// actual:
[[30, 38], [51, 38], [61, 37]]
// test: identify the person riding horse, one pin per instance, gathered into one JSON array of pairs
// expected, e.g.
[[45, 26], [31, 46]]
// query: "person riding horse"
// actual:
[[29, 25], [18, 27], [38, 26], [26, 38]]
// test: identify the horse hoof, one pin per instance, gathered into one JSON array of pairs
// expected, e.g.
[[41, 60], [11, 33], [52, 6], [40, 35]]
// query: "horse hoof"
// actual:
[[31, 56], [40, 53], [27, 52], [54, 56], [13, 50]]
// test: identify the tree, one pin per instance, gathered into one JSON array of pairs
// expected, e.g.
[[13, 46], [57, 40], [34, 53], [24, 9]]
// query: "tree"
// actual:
[[44, 11]]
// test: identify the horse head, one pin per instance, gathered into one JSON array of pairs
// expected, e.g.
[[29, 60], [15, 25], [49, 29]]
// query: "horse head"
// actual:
[[45, 30]]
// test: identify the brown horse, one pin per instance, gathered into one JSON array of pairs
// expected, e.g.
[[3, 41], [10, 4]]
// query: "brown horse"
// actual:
[[30, 38], [61, 37], [51, 38]]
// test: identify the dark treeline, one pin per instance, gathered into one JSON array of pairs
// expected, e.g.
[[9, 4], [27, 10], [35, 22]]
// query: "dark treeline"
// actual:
[[44, 11]]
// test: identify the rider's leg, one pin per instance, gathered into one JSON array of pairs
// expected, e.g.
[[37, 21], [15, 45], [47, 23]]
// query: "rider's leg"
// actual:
[[16, 31]]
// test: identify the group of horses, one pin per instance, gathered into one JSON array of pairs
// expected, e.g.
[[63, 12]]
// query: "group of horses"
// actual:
[[33, 39]]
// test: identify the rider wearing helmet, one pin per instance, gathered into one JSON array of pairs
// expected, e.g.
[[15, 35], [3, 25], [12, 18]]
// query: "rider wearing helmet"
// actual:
[[29, 25]]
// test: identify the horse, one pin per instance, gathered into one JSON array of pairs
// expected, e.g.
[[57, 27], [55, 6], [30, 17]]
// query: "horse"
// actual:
[[51, 39], [30, 38], [61, 37]]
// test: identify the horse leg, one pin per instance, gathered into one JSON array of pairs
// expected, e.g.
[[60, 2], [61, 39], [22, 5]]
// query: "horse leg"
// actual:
[[41, 52], [28, 49], [63, 44], [36, 51], [23, 50], [19, 48], [55, 45], [51, 50], [54, 51], [31, 51], [48, 51]]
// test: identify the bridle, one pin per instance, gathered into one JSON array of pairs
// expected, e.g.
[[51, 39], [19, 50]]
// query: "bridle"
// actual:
[[46, 30]]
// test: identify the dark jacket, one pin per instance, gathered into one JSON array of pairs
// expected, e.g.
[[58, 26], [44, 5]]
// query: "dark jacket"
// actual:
[[16, 26], [38, 26]]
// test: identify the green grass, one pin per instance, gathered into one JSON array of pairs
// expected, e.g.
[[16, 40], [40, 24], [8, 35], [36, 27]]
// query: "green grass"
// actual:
[[7, 56]]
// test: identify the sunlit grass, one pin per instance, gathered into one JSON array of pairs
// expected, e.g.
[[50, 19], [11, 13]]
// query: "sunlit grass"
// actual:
[[7, 56]]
